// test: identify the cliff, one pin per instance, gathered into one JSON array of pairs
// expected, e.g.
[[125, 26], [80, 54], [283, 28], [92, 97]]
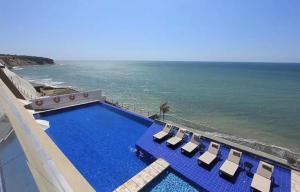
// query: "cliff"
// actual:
[[22, 60]]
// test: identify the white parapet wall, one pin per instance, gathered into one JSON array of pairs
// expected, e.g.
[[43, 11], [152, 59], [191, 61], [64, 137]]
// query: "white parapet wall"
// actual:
[[25, 88], [54, 102], [50, 168]]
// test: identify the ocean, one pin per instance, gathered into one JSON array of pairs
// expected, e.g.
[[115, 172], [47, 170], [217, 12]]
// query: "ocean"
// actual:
[[253, 102]]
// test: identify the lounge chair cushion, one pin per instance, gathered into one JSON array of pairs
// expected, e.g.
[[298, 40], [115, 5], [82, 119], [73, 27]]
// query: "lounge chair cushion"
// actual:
[[214, 148], [167, 128], [229, 168], [160, 135], [265, 170], [189, 147], [195, 139], [234, 156], [174, 140], [207, 158], [261, 183]]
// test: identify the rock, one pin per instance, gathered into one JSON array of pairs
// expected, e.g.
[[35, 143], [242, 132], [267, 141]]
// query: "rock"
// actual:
[[53, 91], [23, 60]]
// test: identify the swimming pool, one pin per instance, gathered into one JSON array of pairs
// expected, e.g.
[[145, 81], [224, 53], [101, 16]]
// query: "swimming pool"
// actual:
[[170, 181], [99, 140]]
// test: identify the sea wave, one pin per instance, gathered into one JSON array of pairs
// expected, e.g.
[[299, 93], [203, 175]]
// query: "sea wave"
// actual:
[[47, 82], [275, 150], [17, 68]]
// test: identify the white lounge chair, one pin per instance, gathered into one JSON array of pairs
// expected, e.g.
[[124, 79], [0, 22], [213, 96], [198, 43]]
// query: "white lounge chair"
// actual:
[[231, 164], [163, 133], [210, 155], [262, 179], [192, 145], [177, 138]]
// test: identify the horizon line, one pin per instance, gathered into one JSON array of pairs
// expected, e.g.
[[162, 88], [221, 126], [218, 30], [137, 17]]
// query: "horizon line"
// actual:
[[156, 60]]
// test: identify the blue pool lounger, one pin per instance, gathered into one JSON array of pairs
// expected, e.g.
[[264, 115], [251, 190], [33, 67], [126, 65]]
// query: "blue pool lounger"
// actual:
[[163, 133], [231, 164], [262, 179], [192, 145], [177, 138], [210, 155]]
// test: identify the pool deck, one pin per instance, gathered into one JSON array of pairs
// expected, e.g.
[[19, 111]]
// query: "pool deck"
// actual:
[[295, 181], [208, 178], [144, 177]]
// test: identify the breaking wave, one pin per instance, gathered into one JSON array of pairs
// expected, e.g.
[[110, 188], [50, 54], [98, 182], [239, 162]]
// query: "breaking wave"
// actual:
[[47, 82], [275, 150], [17, 68]]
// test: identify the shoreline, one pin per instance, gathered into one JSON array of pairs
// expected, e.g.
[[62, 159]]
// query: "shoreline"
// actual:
[[252, 143], [278, 151]]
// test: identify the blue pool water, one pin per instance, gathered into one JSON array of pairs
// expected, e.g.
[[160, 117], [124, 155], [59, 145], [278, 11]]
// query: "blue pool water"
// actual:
[[170, 182], [100, 142]]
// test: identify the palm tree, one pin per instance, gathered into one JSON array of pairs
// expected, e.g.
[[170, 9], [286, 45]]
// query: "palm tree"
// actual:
[[164, 108]]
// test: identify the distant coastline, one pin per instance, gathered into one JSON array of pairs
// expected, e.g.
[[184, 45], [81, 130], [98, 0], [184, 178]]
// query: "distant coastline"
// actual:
[[11, 61], [17, 61]]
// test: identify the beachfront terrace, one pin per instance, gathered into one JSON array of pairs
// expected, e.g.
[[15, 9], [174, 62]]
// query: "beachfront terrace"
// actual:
[[208, 178]]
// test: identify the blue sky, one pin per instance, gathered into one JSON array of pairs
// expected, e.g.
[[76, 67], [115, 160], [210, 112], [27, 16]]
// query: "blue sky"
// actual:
[[220, 30]]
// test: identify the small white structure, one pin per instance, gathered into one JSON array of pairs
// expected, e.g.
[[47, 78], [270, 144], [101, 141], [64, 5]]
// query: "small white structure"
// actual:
[[32, 112], [60, 101], [43, 123], [25, 102]]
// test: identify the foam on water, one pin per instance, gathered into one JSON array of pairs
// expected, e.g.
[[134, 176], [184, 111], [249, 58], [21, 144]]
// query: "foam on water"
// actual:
[[17, 68], [279, 151], [258, 145], [47, 82]]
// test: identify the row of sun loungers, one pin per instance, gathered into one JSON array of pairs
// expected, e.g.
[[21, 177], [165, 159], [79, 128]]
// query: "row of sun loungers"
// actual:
[[262, 178], [173, 141]]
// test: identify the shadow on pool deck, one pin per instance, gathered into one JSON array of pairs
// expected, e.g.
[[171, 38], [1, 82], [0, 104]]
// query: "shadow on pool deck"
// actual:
[[209, 179]]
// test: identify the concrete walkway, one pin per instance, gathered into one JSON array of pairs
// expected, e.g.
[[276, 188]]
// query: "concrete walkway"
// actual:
[[144, 177]]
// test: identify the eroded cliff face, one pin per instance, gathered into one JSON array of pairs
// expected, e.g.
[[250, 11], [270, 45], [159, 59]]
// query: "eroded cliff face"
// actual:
[[22, 60]]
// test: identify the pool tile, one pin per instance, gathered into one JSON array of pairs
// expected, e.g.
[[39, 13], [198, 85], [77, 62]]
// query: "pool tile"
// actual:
[[209, 179]]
